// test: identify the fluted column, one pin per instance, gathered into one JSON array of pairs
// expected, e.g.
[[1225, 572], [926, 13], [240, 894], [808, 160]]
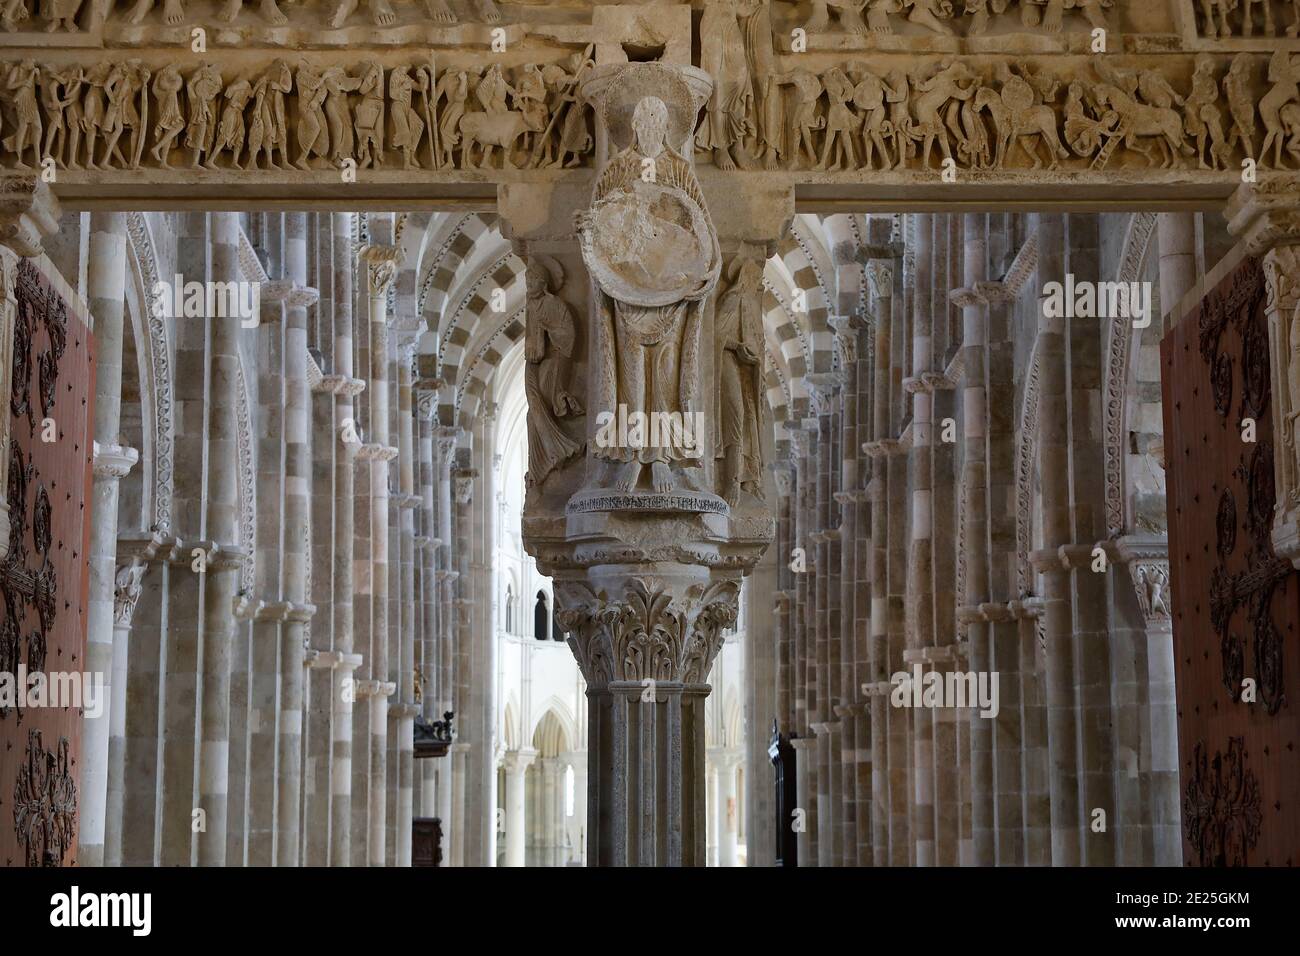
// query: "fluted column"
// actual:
[[106, 283]]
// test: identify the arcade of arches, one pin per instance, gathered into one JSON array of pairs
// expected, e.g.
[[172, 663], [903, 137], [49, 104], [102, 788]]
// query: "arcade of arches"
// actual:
[[974, 331]]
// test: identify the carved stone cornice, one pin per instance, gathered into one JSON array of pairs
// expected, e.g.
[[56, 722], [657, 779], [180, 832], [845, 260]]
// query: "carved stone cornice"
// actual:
[[1266, 214], [29, 212]]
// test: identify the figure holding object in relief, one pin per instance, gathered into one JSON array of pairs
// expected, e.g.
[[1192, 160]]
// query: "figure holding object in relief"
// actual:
[[653, 255]]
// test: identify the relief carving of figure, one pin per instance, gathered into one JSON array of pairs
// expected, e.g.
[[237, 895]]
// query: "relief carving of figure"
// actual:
[[1284, 74], [1241, 104], [804, 119], [338, 112], [92, 108], [937, 93], [454, 86], [738, 352], [849, 13], [202, 91], [728, 116], [173, 12], [167, 86], [1205, 119], [653, 255], [230, 129], [313, 135], [58, 13], [841, 123], [270, 12], [567, 114], [21, 84], [408, 128], [370, 117], [549, 340]]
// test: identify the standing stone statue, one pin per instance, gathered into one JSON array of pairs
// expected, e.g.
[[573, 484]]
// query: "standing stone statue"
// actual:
[[549, 339], [728, 117], [738, 354], [653, 253]]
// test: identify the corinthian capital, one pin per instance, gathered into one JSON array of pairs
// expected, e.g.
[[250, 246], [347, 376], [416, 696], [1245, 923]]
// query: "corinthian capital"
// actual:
[[649, 631]]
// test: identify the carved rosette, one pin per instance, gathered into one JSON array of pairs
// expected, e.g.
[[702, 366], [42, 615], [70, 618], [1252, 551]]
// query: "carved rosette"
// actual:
[[648, 632]]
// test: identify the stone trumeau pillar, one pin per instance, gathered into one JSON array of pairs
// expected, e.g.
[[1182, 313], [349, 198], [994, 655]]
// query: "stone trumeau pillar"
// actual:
[[645, 550]]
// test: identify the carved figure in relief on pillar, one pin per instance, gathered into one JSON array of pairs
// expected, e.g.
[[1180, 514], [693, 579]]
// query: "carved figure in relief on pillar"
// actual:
[[1284, 74], [1293, 389], [313, 132], [370, 117], [338, 112], [167, 86], [12, 13], [408, 128], [653, 255], [1205, 119], [549, 339], [21, 85], [1241, 104], [728, 116], [173, 12], [203, 89], [841, 123], [738, 353]]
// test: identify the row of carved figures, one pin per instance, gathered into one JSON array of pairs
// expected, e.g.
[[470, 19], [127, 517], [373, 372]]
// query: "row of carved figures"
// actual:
[[938, 16], [311, 116], [849, 118], [64, 14]]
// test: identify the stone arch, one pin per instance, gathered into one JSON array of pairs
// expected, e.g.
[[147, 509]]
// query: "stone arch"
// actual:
[[553, 734], [153, 345], [1122, 381]]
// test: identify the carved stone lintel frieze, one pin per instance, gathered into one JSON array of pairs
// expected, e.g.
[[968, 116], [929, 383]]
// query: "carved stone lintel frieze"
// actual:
[[28, 213]]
